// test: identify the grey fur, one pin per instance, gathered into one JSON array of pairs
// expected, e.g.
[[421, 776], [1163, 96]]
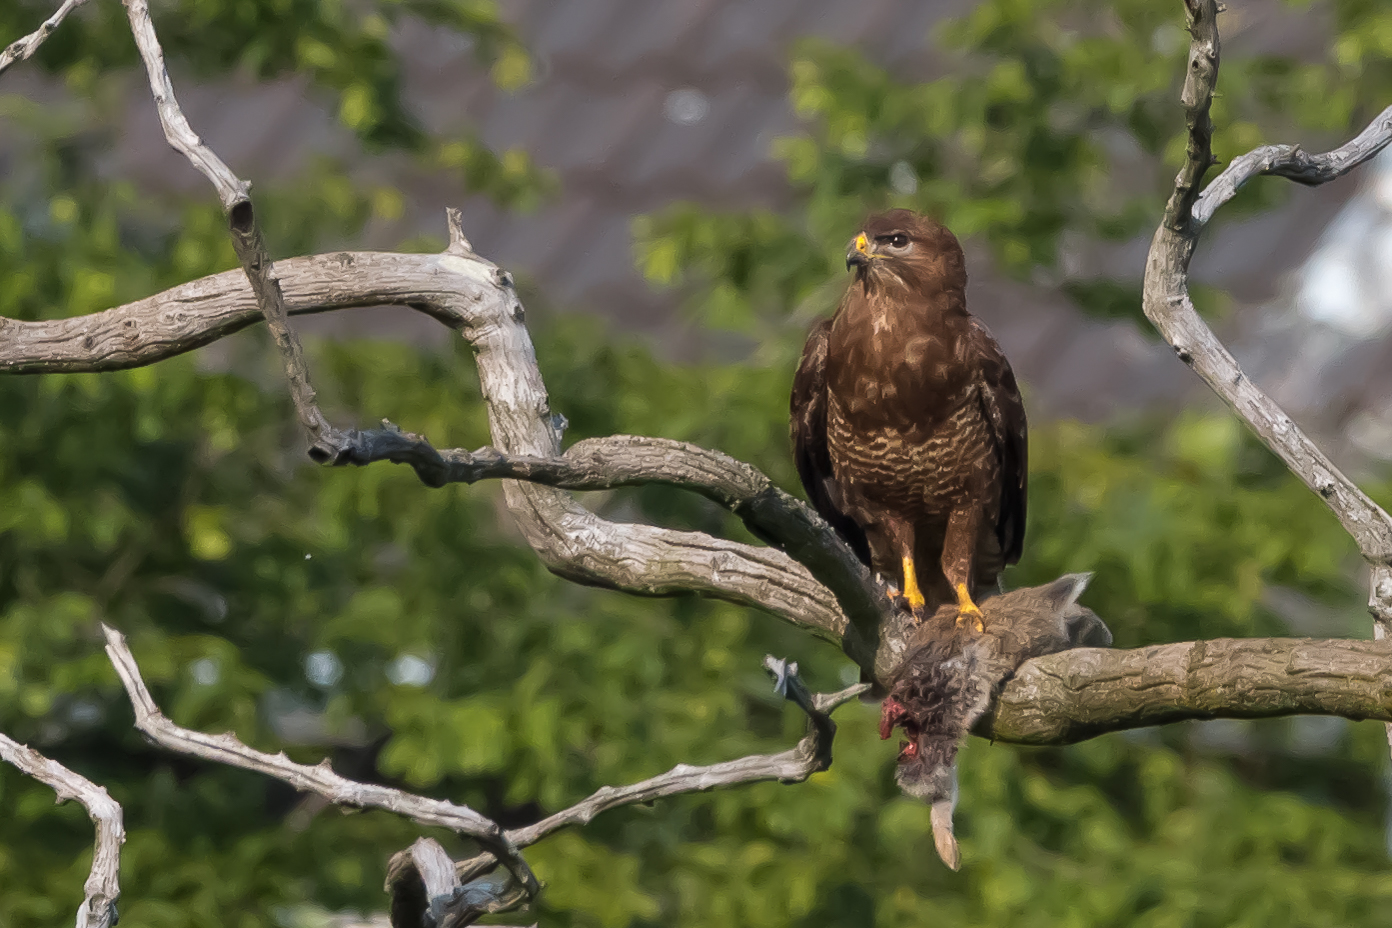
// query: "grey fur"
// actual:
[[952, 674]]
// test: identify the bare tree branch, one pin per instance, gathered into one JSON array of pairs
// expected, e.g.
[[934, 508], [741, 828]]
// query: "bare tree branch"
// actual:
[[471, 295], [420, 884], [177, 131], [426, 890], [247, 239], [810, 755], [203, 311], [319, 779], [1167, 304], [23, 49], [1290, 162], [629, 460], [1085, 692], [102, 888]]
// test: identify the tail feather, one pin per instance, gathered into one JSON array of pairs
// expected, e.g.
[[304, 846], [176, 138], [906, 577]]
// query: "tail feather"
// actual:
[[943, 838]]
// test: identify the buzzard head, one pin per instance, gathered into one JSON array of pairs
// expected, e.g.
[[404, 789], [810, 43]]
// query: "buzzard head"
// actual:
[[908, 248]]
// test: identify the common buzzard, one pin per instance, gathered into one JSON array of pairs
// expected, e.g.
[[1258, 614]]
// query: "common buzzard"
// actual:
[[908, 428]]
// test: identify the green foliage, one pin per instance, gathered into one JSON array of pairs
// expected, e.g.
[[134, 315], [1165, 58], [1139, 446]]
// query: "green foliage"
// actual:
[[341, 47], [1055, 120], [174, 502]]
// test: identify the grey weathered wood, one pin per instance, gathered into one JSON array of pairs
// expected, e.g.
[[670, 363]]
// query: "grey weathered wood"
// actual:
[[245, 228], [102, 888], [1167, 303], [319, 779], [23, 48], [1079, 694], [1293, 163], [468, 294]]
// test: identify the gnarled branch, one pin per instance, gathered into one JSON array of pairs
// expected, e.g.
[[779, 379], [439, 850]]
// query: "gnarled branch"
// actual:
[[1167, 304], [1079, 694], [103, 887], [1293, 163], [417, 881], [319, 779], [473, 296]]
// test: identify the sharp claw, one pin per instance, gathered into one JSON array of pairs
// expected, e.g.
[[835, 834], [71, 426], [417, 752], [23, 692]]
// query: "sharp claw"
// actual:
[[901, 601], [966, 609], [975, 616]]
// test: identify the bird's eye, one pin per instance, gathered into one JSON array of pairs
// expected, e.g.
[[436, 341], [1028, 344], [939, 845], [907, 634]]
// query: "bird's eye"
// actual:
[[898, 240]]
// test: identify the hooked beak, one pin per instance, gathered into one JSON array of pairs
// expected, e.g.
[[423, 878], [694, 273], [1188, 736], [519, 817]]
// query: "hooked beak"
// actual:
[[858, 255]]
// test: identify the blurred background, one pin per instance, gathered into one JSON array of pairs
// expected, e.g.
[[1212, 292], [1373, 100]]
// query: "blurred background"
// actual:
[[673, 183]]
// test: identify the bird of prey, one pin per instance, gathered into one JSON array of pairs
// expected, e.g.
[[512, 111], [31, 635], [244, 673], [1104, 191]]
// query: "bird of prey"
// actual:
[[908, 428]]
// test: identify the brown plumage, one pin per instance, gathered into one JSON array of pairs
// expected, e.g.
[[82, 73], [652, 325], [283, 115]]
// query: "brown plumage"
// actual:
[[908, 428]]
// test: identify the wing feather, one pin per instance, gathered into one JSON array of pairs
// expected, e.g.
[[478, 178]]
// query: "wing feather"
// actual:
[[810, 449], [1005, 413]]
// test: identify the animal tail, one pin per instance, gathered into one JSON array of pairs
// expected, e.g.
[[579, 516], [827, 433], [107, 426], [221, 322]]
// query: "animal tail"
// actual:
[[929, 774], [943, 838], [936, 704]]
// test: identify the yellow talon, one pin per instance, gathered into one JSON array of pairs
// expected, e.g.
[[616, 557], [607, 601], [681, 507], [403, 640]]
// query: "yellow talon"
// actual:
[[911, 591], [966, 609]]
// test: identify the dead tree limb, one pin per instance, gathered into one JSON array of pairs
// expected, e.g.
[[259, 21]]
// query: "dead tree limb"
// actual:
[[465, 293], [319, 779], [415, 882], [24, 48], [102, 888], [245, 228], [470, 295], [1167, 303], [1079, 694]]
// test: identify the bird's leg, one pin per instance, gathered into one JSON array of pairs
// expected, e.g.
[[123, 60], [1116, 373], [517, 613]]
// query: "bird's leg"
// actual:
[[912, 593], [959, 547], [901, 536]]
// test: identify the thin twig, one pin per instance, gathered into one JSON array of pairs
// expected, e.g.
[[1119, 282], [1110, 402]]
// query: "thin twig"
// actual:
[[247, 238], [23, 49], [319, 779], [102, 888], [808, 756]]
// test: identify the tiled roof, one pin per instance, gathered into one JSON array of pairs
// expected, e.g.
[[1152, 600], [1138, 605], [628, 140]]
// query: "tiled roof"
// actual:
[[642, 103]]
